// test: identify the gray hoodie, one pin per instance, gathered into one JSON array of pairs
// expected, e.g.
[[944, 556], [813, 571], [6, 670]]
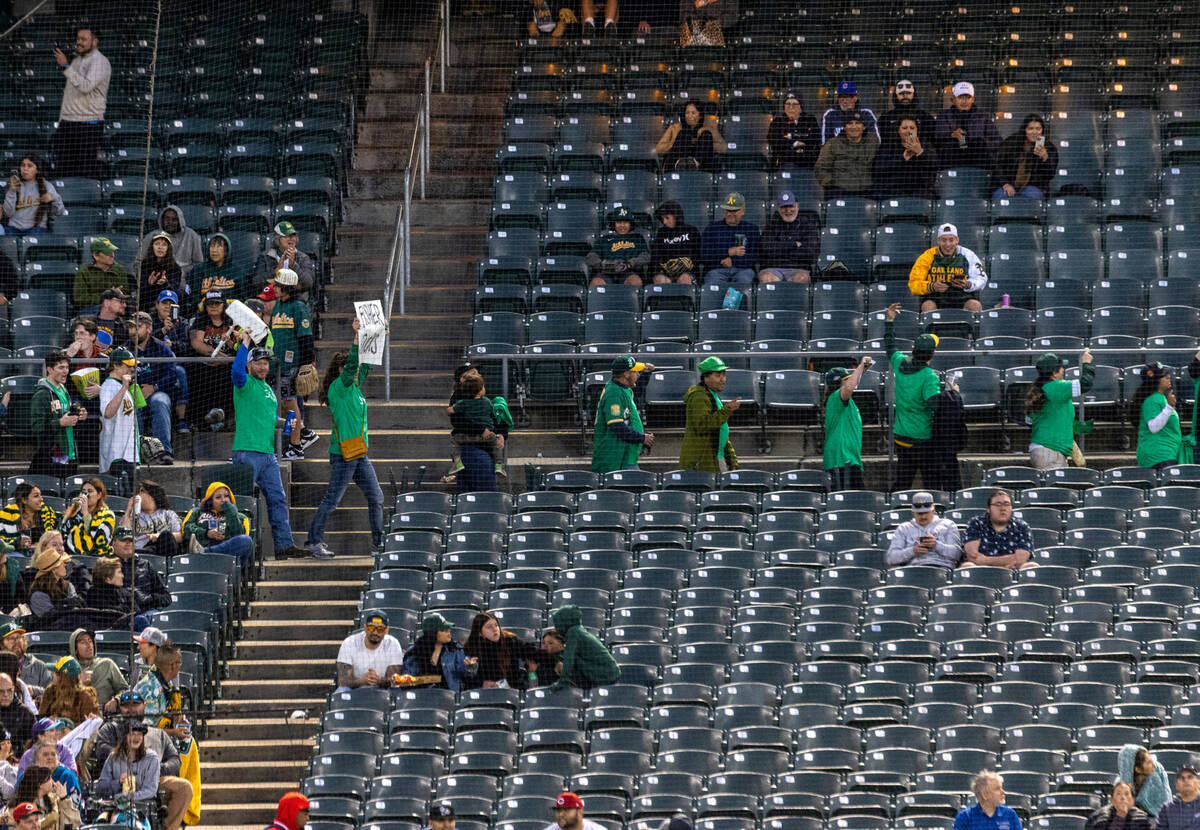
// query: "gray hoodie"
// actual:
[[946, 554], [185, 243]]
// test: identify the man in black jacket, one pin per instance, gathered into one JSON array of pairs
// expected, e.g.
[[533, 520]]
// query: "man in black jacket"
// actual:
[[149, 590], [790, 244], [675, 251], [905, 106]]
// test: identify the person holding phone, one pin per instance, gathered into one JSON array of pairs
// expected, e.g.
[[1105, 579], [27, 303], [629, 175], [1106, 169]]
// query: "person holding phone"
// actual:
[[1154, 408], [928, 539], [1025, 162]]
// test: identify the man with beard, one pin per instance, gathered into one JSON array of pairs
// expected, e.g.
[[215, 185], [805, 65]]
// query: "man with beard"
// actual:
[[568, 814], [80, 134], [904, 106], [369, 657]]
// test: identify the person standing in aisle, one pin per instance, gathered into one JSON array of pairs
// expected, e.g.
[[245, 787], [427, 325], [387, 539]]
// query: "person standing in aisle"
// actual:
[[843, 427], [1050, 408], [1154, 408], [619, 436], [916, 386], [341, 391]]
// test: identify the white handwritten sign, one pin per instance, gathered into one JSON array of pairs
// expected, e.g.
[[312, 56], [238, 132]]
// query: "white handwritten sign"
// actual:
[[243, 317], [372, 331]]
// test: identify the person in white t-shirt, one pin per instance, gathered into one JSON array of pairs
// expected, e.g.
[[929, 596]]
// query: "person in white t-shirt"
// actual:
[[118, 421], [568, 814], [369, 657]]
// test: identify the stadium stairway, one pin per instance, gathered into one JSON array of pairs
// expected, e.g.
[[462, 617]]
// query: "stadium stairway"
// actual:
[[255, 750]]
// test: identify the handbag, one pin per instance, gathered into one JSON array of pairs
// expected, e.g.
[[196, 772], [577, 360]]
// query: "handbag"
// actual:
[[353, 448]]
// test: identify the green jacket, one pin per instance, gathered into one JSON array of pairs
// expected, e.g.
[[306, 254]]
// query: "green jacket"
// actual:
[[195, 523], [231, 277], [44, 418], [583, 652], [702, 432], [107, 679], [347, 406], [91, 282]]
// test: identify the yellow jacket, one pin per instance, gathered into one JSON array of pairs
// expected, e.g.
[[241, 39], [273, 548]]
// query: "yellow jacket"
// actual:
[[932, 266]]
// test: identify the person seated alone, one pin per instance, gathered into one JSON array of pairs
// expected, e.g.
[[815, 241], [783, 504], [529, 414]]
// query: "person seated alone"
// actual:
[[997, 538], [927, 539], [947, 275]]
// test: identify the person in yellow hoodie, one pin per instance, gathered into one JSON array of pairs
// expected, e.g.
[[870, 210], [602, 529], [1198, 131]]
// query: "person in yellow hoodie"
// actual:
[[947, 275], [216, 526]]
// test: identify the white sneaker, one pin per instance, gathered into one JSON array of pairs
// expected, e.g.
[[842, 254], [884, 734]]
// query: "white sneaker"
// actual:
[[320, 551], [194, 546]]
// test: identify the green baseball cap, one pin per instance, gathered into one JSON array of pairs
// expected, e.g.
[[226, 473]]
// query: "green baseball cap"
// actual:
[[925, 342], [123, 532], [375, 617], [103, 245], [734, 201], [435, 622], [122, 355], [836, 375], [10, 628], [626, 363], [285, 228], [712, 364], [1050, 362]]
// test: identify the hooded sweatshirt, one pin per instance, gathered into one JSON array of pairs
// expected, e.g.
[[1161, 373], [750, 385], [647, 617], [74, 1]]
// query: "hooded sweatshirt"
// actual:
[[1156, 789], [196, 522], [285, 816], [617, 253], [185, 243], [145, 773], [107, 679], [583, 653], [21, 206], [683, 240], [889, 122], [231, 277]]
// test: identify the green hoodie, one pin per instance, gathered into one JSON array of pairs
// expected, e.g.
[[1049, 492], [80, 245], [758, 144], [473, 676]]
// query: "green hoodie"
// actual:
[[582, 651], [231, 277], [107, 679]]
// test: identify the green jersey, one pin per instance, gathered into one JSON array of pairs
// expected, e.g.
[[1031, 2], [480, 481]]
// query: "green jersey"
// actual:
[[843, 433], [1054, 424], [347, 406], [289, 322], [913, 418], [608, 451], [255, 408], [1157, 447]]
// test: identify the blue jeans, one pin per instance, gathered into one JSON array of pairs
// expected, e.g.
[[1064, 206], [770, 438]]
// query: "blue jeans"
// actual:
[[1028, 192], [240, 546], [181, 385], [158, 406], [479, 470], [341, 473], [266, 476], [729, 276], [36, 230]]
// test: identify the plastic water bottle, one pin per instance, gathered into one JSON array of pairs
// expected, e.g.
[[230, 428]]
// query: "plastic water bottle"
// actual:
[[287, 423], [1004, 301]]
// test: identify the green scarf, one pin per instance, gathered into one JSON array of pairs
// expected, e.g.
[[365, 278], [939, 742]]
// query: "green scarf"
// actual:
[[723, 433], [65, 404]]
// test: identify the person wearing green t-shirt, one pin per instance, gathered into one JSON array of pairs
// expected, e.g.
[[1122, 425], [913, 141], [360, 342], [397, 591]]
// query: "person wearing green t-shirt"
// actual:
[[706, 444], [916, 387], [1159, 435], [843, 427], [1050, 408], [256, 410], [292, 329], [618, 436]]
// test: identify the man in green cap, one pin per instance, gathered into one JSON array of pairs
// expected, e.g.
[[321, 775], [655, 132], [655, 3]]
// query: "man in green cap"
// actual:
[[843, 427], [917, 386], [285, 254], [706, 432], [118, 414], [729, 246], [92, 280], [619, 436]]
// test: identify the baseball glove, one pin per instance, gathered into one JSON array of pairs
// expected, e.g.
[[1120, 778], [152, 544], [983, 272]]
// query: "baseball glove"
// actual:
[[679, 265], [307, 380]]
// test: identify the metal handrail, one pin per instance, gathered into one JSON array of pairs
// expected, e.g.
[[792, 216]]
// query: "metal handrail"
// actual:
[[399, 269]]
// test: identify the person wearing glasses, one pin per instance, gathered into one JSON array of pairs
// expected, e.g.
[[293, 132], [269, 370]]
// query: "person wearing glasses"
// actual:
[[369, 657], [997, 538]]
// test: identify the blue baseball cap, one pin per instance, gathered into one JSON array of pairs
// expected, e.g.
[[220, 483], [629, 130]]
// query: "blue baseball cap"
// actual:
[[168, 294], [787, 198], [847, 88]]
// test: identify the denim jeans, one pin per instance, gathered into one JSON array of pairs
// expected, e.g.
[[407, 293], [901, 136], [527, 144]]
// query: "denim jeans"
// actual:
[[158, 406], [341, 473], [181, 385], [266, 476], [1028, 192], [479, 470], [729, 276], [240, 546]]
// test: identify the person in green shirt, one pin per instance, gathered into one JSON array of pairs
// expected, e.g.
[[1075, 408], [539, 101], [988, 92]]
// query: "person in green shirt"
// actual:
[[618, 436], [341, 391], [843, 427], [1050, 408], [102, 274], [916, 388], [52, 420], [292, 329], [1159, 435], [706, 443], [256, 409]]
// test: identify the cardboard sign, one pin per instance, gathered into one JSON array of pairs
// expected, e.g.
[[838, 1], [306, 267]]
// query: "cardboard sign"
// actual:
[[372, 331]]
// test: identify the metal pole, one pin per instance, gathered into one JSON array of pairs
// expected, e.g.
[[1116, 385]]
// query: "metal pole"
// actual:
[[445, 41], [420, 160], [407, 233], [427, 128]]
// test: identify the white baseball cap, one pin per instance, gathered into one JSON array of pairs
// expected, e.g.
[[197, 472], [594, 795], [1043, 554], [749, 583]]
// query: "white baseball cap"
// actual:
[[964, 88], [947, 230]]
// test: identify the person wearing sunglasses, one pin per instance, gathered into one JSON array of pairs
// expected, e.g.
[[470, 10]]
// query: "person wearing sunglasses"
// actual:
[[369, 657]]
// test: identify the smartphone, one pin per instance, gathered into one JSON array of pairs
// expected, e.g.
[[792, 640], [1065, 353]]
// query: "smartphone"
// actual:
[[1041, 141]]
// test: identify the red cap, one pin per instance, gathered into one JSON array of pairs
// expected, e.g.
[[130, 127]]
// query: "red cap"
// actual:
[[26, 808], [568, 801], [268, 293]]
